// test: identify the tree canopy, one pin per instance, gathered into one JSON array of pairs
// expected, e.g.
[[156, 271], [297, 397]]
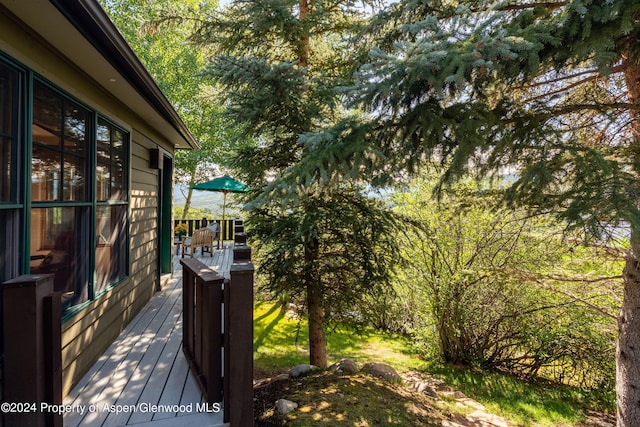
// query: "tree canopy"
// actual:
[[324, 246], [160, 34], [543, 92]]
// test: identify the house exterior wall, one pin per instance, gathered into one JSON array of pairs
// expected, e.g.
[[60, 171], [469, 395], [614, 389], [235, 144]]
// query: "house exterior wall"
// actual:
[[88, 332]]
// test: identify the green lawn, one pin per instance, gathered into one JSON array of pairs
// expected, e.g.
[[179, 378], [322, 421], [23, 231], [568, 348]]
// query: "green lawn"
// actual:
[[280, 342]]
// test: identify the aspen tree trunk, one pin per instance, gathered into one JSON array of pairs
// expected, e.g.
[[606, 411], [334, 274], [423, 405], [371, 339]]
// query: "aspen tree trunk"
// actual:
[[628, 348], [187, 202]]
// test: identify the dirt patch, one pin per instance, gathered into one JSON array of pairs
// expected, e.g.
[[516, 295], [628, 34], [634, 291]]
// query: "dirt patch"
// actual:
[[341, 400]]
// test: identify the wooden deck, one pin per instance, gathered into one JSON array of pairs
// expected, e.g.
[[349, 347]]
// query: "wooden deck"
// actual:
[[143, 379]]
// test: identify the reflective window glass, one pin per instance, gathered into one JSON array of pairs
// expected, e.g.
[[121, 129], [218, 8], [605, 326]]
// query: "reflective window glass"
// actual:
[[111, 253]]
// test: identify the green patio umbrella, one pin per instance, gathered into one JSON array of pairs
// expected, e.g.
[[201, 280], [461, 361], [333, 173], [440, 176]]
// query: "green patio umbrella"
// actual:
[[224, 184]]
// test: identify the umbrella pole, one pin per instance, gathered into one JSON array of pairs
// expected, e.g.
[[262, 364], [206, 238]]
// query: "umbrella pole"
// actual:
[[224, 207]]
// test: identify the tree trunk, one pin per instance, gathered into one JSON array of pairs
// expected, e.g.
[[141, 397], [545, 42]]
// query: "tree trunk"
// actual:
[[315, 308], [187, 202], [315, 305], [305, 46], [628, 348]]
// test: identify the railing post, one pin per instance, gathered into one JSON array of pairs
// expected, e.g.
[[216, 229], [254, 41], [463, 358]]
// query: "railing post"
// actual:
[[188, 311], [238, 346], [240, 237], [32, 319], [202, 317]]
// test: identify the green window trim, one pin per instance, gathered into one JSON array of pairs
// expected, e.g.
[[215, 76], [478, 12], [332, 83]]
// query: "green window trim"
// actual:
[[62, 133]]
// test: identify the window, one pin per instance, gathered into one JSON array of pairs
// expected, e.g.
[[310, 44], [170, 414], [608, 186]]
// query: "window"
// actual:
[[59, 133], [61, 206], [64, 205], [112, 195], [10, 84], [74, 197]]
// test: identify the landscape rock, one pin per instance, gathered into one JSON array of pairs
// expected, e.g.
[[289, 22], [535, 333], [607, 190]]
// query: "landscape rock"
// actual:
[[425, 387], [302, 369], [264, 381], [452, 394], [457, 421], [345, 366], [383, 371], [285, 406], [472, 404], [483, 419]]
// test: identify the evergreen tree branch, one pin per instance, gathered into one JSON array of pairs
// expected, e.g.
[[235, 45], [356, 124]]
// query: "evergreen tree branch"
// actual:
[[618, 68], [550, 5]]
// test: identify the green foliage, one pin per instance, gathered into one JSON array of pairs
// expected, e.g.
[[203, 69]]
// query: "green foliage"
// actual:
[[356, 250], [498, 289], [194, 213], [486, 88], [280, 343], [281, 63], [159, 33]]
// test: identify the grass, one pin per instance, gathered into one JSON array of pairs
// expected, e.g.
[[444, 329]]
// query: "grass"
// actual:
[[281, 342], [360, 400], [524, 403]]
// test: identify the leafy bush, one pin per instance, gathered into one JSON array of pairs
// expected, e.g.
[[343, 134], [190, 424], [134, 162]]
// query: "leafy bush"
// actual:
[[497, 289]]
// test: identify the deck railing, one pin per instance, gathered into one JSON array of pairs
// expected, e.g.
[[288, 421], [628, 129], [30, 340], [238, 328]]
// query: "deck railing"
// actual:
[[32, 313], [218, 333], [228, 228]]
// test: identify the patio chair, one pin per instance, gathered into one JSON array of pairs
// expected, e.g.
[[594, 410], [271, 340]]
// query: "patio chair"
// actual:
[[202, 238], [215, 227]]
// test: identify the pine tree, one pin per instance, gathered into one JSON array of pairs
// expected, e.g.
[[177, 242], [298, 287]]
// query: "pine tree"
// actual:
[[325, 246], [545, 91]]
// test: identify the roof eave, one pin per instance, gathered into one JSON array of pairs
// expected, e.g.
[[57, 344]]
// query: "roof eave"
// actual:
[[88, 17]]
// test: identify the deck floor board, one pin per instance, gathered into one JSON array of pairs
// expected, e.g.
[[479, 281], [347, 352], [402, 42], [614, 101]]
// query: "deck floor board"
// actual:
[[145, 367]]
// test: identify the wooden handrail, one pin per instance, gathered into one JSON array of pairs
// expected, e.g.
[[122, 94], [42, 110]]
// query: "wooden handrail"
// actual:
[[202, 322], [32, 334], [217, 320]]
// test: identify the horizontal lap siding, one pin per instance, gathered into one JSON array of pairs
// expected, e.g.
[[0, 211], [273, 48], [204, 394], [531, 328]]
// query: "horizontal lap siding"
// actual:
[[88, 334]]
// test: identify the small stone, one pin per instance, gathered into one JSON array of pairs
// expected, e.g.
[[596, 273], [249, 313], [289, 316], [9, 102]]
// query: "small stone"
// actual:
[[424, 387], [472, 404], [383, 371], [452, 394], [487, 420], [285, 406], [345, 366], [302, 369]]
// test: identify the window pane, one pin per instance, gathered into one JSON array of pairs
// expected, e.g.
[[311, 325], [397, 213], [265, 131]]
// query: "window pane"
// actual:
[[111, 250], [58, 246], [8, 244], [46, 174], [74, 178], [111, 178], [8, 81], [47, 116], [5, 171], [8, 108], [75, 128]]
